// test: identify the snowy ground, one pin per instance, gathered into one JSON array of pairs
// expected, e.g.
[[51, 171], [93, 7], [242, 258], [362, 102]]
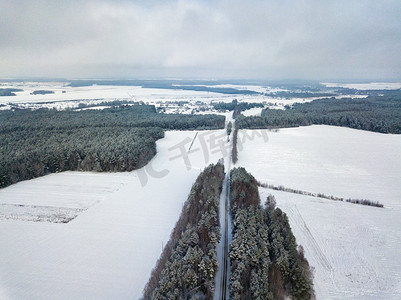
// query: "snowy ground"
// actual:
[[70, 97], [367, 86], [92, 92], [334, 160], [256, 111], [353, 249], [65, 96], [108, 251], [255, 88], [55, 197]]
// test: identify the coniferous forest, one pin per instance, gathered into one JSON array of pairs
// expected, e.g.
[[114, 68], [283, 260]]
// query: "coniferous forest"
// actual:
[[265, 260], [36, 143], [377, 112], [188, 264], [230, 106]]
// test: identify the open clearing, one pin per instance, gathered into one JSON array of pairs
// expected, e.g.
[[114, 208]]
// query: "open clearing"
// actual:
[[353, 249]]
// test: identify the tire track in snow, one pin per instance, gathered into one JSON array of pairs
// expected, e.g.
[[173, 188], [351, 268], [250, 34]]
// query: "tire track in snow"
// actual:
[[319, 255]]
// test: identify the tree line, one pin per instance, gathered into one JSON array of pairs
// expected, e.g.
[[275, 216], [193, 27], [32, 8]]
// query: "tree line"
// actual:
[[9, 92], [230, 106], [42, 92], [26, 154], [320, 195], [377, 112], [265, 260], [121, 116], [234, 156], [36, 143], [188, 264], [189, 85]]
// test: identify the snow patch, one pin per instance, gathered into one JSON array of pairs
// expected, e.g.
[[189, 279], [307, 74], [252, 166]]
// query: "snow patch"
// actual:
[[256, 111]]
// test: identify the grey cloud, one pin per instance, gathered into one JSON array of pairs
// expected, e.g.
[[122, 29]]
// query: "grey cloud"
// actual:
[[231, 39]]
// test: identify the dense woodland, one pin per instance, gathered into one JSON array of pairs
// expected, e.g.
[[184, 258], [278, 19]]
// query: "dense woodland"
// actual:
[[122, 116], [42, 92], [300, 94], [230, 106], [188, 264], [35, 143], [9, 92], [265, 260], [188, 85], [378, 112], [27, 154]]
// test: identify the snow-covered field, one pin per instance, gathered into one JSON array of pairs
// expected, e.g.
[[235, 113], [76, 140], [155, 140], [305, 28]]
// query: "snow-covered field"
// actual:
[[353, 249], [256, 111], [92, 92], [366, 86], [58, 197], [110, 248], [65, 96], [337, 161], [255, 88]]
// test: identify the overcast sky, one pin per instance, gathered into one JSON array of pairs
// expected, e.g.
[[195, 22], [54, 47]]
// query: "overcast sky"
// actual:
[[253, 39]]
